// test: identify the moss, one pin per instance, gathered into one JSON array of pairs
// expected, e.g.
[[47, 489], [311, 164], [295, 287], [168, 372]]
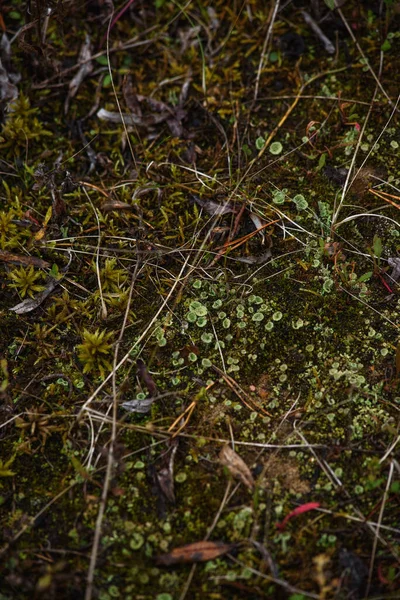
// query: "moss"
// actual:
[[297, 350]]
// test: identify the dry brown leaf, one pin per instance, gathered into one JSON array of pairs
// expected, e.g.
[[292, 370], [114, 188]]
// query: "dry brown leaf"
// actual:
[[215, 208], [398, 360], [30, 304], [192, 553], [165, 474], [236, 466], [115, 205], [18, 259], [85, 70]]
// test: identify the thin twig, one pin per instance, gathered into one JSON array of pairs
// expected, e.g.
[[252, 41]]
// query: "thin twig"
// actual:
[[264, 48], [110, 457], [375, 544]]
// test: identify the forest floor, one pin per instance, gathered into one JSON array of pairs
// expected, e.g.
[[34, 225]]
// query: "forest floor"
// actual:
[[199, 271]]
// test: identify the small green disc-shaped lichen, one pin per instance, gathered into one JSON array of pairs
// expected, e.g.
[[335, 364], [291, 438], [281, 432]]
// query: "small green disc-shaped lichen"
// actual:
[[137, 541], [258, 316], [198, 308], [192, 357], [191, 317], [328, 285], [300, 202], [260, 143], [201, 322], [277, 316], [206, 363], [207, 338], [275, 148], [278, 197], [193, 306], [226, 323], [217, 303], [297, 324]]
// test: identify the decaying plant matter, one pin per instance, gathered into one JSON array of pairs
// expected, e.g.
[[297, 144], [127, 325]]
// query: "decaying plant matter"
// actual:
[[199, 270]]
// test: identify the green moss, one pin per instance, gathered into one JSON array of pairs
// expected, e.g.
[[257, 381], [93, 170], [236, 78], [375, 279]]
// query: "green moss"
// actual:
[[298, 350]]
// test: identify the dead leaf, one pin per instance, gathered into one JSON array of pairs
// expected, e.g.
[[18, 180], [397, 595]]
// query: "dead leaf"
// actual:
[[130, 97], [165, 474], [8, 91], [256, 260], [8, 78], [193, 553], [115, 117], [146, 377], [117, 205], [30, 304], [157, 112], [258, 224], [85, 70], [394, 262], [236, 466], [214, 208], [27, 261], [138, 406]]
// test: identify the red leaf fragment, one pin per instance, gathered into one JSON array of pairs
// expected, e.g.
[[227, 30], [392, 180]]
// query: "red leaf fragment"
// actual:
[[299, 510], [192, 553]]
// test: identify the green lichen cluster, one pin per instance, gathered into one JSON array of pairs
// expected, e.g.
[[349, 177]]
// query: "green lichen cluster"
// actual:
[[293, 358]]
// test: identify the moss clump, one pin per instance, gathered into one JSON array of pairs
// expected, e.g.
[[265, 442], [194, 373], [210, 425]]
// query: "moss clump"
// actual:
[[94, 352], [251, 300]]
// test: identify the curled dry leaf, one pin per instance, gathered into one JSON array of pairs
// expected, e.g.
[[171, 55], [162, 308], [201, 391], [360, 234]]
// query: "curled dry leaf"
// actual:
[[142, 406], [116, 205], [157, 112], [165, 474], [32, 303], [8, 78], [236, 466], [114, 117], [256, 260], [19, 259], [394, 262], [147, 379], [85, 70], [215, 208], [192, 553]]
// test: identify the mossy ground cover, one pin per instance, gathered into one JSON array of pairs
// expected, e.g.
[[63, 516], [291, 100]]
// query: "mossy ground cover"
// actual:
[[205, 222]]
